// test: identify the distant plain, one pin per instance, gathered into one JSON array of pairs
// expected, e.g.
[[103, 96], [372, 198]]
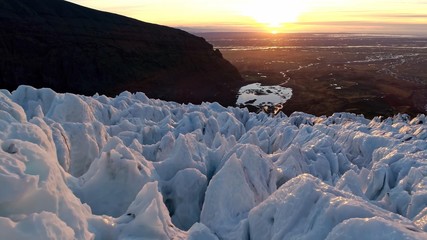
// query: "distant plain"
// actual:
[[365, 74]]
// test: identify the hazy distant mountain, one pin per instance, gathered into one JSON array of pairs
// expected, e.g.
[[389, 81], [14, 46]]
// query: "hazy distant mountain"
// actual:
[[57, 44]]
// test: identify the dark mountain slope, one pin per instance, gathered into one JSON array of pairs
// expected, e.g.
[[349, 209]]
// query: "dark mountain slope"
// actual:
[[57, 44]]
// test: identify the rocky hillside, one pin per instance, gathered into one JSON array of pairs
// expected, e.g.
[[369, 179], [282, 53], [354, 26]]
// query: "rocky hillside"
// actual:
[[69, 48]]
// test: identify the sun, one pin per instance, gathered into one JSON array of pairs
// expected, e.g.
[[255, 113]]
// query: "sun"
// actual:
[[274, 13]]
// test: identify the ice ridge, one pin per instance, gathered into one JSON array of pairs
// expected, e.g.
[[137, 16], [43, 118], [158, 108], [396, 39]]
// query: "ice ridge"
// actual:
[[130, 167]]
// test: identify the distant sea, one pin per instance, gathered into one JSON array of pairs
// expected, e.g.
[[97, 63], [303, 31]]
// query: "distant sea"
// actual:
[[358, 73]]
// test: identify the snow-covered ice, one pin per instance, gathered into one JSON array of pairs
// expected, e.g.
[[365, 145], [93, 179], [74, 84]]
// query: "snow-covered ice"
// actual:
[[130, 167], [257, 95]]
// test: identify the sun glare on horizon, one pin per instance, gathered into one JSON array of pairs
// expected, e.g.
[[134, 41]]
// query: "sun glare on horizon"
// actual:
[[274, 14], [281, 16]]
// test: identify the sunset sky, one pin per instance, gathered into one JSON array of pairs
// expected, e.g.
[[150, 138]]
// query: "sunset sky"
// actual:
[[363, 16]]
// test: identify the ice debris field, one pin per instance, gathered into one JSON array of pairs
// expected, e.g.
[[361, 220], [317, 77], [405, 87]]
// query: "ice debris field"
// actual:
[[130, 167]]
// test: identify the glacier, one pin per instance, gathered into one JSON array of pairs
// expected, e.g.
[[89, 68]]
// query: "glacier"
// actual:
[[130, 167]]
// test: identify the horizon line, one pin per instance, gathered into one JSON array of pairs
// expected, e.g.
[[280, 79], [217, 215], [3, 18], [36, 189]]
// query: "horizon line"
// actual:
[[302, 32]]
